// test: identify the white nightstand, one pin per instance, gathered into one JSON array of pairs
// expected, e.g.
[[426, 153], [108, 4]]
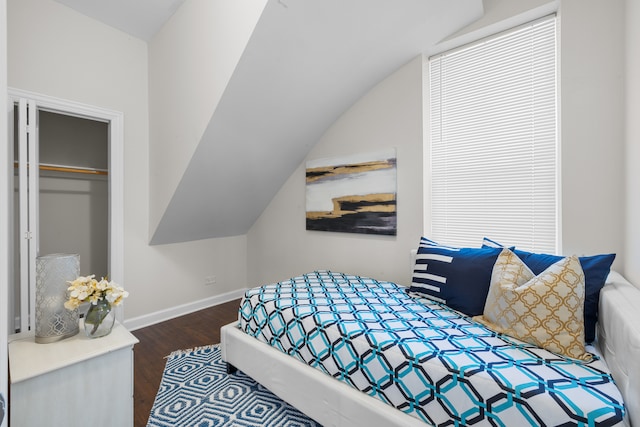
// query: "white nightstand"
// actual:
[[74, 382]]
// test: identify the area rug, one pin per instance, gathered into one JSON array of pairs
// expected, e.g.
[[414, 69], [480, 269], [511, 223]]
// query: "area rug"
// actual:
[[196, 391]]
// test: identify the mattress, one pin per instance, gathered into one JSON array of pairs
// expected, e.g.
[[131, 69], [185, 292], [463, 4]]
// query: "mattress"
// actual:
[[423, 358]]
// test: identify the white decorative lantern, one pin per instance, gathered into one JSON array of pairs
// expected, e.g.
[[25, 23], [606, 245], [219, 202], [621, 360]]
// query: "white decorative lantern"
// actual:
[[53, 321]]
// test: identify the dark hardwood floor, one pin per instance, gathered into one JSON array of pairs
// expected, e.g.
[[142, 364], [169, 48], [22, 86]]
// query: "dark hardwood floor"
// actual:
[[159, 340]]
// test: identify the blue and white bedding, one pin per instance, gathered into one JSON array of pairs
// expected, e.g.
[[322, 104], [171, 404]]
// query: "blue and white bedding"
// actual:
[[424, 358]]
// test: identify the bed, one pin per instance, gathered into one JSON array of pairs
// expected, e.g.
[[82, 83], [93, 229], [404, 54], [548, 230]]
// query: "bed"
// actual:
[[376, 366]]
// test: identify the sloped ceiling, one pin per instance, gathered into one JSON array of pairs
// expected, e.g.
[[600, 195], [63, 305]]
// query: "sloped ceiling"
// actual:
[[305, 64], [140, 18]]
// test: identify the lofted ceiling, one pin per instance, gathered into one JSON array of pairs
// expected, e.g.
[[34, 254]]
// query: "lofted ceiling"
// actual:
[[305, 64]]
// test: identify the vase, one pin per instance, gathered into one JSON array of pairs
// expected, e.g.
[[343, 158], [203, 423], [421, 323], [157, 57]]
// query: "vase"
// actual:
[[99, 319]]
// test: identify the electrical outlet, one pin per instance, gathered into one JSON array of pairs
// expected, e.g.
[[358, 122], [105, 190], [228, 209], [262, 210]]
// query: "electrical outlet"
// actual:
[[210, 280]]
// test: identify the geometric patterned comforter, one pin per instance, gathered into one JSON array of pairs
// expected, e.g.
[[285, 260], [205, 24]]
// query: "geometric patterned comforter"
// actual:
[[424, 358]]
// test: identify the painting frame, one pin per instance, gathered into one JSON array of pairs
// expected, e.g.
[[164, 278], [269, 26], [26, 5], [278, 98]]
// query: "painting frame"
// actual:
[[353, 194]]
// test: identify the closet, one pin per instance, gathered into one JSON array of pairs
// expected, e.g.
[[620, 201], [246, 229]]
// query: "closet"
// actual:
[[64, 204]]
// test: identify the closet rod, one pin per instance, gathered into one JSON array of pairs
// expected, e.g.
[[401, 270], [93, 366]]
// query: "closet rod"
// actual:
[[69, 169]]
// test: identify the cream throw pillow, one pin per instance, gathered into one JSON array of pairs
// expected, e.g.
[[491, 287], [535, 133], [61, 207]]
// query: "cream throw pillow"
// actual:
[[545, 310]]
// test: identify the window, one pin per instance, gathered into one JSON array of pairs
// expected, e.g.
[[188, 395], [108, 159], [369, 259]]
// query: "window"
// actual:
[[493, 153]]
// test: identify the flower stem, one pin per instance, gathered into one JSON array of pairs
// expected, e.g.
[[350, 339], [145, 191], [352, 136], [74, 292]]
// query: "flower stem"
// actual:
[[96, 314]]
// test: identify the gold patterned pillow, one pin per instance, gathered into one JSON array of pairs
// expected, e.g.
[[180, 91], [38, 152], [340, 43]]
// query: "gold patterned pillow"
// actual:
[[545, 310]]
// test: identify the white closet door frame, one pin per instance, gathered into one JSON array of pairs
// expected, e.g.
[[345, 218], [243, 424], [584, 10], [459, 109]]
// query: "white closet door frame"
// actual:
[[28, 177], [6, 194], [115, 119]]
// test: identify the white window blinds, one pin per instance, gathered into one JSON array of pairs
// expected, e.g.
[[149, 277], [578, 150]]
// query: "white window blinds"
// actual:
[[493, 149]]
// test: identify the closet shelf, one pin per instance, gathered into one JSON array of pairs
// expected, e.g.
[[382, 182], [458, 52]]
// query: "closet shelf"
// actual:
[[69, 169]]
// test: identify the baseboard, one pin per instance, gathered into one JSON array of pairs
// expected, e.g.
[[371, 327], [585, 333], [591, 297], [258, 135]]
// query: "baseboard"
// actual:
[[180, 310]]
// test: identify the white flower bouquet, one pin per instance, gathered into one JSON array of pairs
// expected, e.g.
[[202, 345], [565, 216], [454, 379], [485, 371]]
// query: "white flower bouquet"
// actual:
[[102, 294], [87, 288]]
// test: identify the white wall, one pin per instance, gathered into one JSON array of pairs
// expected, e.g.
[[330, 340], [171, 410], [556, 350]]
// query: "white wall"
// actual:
[[592, 127], [190, 63], [499, 15], [592, 140], [390, 115], [632, 137], [56, 51]]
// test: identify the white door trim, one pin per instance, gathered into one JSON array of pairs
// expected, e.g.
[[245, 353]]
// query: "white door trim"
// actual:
[[5, 193], [116, 165]]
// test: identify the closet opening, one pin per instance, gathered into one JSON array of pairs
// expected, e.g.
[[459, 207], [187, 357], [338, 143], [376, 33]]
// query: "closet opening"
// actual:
[[71, 201]]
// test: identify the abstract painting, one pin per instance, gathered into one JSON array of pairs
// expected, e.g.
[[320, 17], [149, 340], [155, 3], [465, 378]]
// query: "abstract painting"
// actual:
[[353, 194]]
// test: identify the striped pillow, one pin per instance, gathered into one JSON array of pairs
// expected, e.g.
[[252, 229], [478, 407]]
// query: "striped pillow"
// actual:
[[458, 277]]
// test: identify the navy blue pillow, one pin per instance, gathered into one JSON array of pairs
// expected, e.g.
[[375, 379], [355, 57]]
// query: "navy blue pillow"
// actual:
[[596, 269], [459, 277], [490, 243]]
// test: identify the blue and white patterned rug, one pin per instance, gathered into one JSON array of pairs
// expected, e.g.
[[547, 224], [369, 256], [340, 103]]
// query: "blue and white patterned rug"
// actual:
[[196, 391]]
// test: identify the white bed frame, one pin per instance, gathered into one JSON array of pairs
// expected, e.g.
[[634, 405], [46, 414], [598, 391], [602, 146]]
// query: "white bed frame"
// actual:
[[333, 403]]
